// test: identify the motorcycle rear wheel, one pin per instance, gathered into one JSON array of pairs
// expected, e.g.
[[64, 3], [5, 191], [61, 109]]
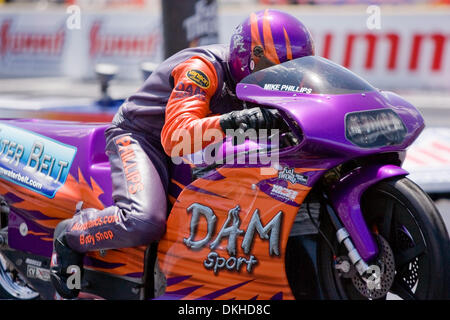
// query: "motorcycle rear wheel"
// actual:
[[12, 286], [405, 216]]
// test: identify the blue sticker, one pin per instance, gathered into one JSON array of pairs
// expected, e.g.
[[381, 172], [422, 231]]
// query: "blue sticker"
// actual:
[[33, 161]]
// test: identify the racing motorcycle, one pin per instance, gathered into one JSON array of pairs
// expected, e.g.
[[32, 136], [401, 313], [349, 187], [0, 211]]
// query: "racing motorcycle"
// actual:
[[335, 164]]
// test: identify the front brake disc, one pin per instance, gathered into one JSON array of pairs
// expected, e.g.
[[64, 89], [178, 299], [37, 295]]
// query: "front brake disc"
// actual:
[[380, 282]]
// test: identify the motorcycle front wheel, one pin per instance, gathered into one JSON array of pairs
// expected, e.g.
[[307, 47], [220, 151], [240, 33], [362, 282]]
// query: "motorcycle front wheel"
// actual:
[[408, 221]]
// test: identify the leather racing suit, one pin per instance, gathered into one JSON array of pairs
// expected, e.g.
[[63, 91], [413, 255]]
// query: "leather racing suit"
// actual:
[[191, 89]]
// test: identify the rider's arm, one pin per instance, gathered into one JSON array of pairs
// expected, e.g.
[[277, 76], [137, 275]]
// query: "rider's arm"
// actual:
[[187, 111]]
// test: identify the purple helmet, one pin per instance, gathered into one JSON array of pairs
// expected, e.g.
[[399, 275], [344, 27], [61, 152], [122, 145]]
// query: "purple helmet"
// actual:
[[266, 38]]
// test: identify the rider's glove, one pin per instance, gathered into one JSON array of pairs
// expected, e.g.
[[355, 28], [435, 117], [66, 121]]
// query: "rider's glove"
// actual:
[[254, 118]]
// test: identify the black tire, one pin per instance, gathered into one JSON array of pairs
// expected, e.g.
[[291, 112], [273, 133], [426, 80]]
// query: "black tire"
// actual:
[[407, 218]]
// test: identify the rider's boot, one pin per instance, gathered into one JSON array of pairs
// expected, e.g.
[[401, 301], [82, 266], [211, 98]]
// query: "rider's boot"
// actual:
[[62, 264]]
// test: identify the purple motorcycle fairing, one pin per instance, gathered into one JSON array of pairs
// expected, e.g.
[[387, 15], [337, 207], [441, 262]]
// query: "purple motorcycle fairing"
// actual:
[[321, 117], [346, 197], [89, 138], [323, 144], [90, 164]]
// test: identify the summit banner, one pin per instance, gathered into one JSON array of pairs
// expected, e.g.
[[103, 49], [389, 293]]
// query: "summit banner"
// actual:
[[32, 45], [402, 50], [41, 44], [396, 48]]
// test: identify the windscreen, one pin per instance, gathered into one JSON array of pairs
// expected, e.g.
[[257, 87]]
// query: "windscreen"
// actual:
[[309, 75]]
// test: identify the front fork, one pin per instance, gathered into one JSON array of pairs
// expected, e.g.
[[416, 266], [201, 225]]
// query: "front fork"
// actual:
[[345, 196]]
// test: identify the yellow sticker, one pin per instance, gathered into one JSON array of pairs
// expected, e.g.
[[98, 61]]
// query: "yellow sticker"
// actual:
[[199, 78]]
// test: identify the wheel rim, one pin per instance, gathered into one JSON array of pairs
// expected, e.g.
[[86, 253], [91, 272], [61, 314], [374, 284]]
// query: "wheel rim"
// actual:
[[13, 284], [399, 227], [409, 246]]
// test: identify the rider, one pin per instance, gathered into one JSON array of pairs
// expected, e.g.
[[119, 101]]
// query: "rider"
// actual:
[[192, 89]]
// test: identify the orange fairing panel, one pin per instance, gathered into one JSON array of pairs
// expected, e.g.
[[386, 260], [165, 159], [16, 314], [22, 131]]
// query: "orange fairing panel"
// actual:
[[226, 236], [124, 262]]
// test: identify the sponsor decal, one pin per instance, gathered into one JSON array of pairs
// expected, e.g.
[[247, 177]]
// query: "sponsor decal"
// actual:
[[33, 262], [128, 157], [31, 271], [92, 239], [33, 161], [43, 274], [185, 91], [38, 273], [289, 175], [100, 221], [283, 192], [238, 40], [285, 87], [199, 78], [231, 231]]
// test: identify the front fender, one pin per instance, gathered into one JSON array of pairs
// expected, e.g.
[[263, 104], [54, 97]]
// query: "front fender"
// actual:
[[345, 196]]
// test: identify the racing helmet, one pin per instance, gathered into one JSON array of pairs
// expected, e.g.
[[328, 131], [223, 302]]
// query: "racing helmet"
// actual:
[[266, 38]]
